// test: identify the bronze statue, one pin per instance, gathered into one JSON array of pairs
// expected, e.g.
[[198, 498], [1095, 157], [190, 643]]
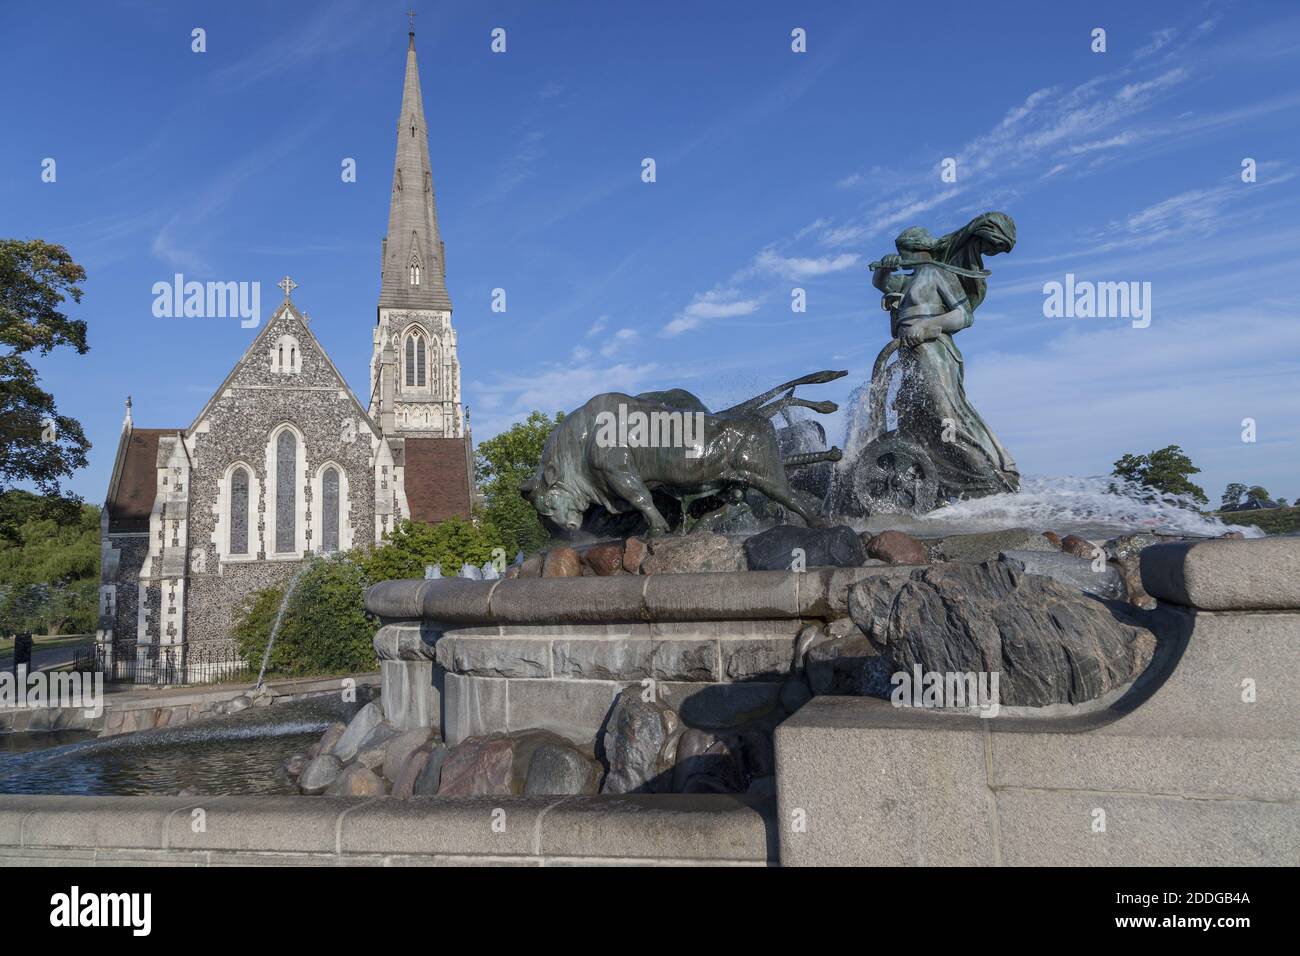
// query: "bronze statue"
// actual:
[[941, 448], [617, 449]]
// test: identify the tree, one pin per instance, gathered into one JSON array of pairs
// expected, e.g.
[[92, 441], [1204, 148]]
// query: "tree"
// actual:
[[37, 444], [49, 564], [414, 546], [1257, 493], [1167, 469], [501, 466], [1232, 494]]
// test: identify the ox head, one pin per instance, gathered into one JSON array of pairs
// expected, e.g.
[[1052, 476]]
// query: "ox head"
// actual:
[[555, 501]]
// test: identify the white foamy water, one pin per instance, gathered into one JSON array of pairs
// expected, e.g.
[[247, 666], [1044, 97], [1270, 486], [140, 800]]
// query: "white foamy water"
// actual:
[[1092, 507]]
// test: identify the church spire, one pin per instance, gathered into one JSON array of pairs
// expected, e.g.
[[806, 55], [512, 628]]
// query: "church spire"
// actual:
[[414, 273]]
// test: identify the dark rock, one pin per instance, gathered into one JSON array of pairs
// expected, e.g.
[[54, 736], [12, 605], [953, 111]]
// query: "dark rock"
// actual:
[[428, 779], [987, 545], [707, 764], [773, 550], [795, 692], [604, 559], [682, 554], [404, 781], [532, 566], [561, 562], [1127, 545], [634, 552], [558, 769], [849, 665], [1079, 547], [636, 738], [1049, 643], [762, 787], [895, 547], [1071, 571], [1053, 537], [320, 773], [477, 766]]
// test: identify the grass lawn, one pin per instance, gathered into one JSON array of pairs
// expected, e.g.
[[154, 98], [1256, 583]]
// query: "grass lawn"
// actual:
[[1270, 521]]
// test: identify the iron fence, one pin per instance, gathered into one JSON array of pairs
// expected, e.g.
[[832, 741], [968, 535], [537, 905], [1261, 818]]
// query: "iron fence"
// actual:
[[167, 665]]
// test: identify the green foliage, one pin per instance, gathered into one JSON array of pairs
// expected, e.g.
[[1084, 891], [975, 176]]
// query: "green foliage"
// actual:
[[451, 543], [35, 279], [1167, 469], [1257, 493], [325, 630], [49, 564], [1270, 521], [501, 466]]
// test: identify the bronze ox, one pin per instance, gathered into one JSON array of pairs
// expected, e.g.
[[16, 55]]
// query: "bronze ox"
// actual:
[[617, 449]]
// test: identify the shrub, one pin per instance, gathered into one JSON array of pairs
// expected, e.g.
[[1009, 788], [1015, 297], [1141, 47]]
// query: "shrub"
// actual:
[[451, 543], [326, 629]]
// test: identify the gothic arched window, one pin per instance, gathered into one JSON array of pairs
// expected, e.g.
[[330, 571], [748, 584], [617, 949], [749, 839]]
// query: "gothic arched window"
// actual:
[[286, 492], [330, 510], [239, 511], [415, 271], [417, 371]]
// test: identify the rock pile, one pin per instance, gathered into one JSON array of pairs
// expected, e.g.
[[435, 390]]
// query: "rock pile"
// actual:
[[645, 749]]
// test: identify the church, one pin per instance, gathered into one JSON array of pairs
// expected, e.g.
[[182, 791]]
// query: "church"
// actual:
[[284, 462]]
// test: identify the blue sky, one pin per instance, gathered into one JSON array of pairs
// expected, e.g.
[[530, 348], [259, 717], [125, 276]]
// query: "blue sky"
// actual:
[[774, 170]]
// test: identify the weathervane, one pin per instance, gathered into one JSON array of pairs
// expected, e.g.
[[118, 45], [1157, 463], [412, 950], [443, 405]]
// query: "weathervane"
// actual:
[[288, 285]]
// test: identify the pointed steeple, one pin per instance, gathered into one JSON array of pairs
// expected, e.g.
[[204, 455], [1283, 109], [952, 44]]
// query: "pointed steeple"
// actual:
[[414, 274]]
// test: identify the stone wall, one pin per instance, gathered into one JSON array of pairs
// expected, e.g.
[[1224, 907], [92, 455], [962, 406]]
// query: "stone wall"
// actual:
[[1198, 763], [669, 830]]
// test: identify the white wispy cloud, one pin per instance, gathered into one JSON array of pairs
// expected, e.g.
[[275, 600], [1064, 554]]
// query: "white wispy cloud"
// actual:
[[800, 267], [706, 306]]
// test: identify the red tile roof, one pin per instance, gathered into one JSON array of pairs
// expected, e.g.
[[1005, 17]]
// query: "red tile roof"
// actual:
[[137, 486], [436, 479]]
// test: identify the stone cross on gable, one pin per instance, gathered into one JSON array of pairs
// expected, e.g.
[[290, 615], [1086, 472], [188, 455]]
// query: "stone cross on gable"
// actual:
[[288, 285]]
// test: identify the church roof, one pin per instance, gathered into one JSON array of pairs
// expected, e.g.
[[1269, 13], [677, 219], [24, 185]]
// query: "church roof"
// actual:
[[132, 498], [413, 234], [436, 478]]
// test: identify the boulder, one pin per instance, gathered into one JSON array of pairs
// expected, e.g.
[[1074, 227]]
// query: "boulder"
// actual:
[[561, 562], [850, 665], [634, 552], [477, 766], [357, 781], [404, 780], [242, 702], [707, 764], [371, 751], [319, 773], [1129, 568], [1130, 545], [637, 744], [895, 547], [1053, 537], [699, 552], [330, 738], [1079, 547], [532, 566], [1049, 643], [367, 719], [399, 749], [558, 769], [604, 559], [1071, 571], [774, 549], [987, 545], [430, 775]]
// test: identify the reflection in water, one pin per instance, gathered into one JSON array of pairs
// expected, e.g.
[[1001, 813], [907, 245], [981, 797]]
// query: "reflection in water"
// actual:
[[228, 755]]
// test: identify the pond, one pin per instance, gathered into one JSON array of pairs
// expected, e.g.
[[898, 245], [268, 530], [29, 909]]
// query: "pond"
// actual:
[[239, 754]]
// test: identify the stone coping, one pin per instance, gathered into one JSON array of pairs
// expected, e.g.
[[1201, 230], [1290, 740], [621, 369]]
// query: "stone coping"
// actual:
[[1252, 574], [821, 593], [273, 830]]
